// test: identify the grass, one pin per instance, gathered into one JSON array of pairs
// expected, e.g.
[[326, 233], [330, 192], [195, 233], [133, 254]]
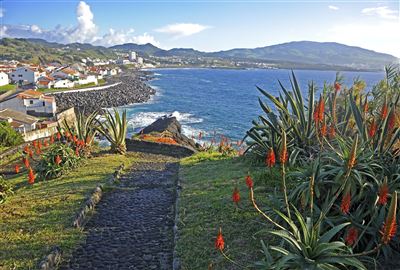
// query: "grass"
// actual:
[[38, 217], [7, 87], [208, 180]]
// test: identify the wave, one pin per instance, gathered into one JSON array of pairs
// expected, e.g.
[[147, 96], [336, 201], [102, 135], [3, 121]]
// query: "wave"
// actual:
[[143, 119]]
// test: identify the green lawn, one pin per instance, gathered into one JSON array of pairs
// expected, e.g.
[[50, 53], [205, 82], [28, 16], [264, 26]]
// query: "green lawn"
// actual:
[[206, 204], [38, 217], [7, 87]]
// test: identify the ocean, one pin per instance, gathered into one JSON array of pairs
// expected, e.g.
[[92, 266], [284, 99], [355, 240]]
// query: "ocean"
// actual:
[[222, 101]]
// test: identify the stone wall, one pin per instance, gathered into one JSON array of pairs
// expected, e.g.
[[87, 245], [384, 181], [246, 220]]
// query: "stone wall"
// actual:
[[177, 151]]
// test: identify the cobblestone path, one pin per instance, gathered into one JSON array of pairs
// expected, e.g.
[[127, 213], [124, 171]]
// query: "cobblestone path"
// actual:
[[132, 227]]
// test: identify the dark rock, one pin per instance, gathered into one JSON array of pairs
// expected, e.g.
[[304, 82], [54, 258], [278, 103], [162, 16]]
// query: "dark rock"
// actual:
[[170, 125]]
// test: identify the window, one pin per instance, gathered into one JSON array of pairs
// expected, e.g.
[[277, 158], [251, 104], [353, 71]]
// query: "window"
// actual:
[[44, 104], [20, 75], [13, 75], [26, 70], [30, 101]]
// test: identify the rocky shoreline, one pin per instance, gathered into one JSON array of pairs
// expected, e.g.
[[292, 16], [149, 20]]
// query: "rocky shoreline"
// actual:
[[133, 89]]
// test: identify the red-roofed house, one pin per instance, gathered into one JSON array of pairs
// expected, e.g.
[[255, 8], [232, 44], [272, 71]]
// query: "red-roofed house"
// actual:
[[45, 82], [31, 102], [25, 75]]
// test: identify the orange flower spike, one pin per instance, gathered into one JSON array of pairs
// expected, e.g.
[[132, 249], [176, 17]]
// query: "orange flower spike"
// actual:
[[324, 130], [77, 151], [58, 136], [345, 205], [392, 120], [366, 107], [372, 129], [38, 151], [321, 109], [383, 193], [338, 86], [34, 143], [284, 153], [30, 153], [249, 181], [219, 241], [27, 149], [46, 143], [31, 176], [390, 227], [39, 145], [351, 236], [352, 158], [384, 111], [270, 159], [236, 196], [25, 160], [51, 139], [57, 160], [16, 168]]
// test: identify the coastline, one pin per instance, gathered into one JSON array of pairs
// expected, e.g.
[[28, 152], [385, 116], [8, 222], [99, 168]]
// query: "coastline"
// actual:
[[132, 89]]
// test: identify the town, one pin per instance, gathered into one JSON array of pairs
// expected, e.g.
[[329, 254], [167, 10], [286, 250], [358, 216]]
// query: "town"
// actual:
[[27, 90]]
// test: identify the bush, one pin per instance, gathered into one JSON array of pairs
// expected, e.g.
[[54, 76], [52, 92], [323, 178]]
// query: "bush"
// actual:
[[8, 136]]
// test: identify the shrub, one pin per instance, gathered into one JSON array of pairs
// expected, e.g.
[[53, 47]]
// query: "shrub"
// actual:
[[114, 128], [8, 136]]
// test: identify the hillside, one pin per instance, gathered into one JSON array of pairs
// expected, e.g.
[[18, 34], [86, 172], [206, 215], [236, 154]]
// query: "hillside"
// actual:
[[37, 50], [299, 54]]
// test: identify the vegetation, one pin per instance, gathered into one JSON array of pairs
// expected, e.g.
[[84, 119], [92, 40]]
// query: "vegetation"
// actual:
[[114, 128], [340, 212], [8, 136], [40, 216], [7, 87]]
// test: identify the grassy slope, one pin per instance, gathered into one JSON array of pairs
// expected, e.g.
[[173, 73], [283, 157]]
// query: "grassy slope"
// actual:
[[206, 204], [7, 87], [39, 217]]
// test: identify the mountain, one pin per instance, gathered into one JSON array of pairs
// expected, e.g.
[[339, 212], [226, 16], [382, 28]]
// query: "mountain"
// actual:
[[297, 54], [309, 52]]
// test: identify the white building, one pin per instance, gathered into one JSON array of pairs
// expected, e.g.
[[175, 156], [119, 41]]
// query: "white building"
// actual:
[[140, 60], [4, 80], [64, 83], [45, 82], [21, 122], [132, 56], [88, 79], [122, 62], [25, 75], [31, 102]]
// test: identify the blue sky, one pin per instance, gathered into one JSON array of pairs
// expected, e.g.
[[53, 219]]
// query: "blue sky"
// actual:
[[205, 25]]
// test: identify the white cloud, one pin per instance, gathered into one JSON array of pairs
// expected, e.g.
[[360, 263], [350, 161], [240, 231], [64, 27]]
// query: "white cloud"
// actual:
[[86, 31], [383, 12], [2, 11], [375, 36], [333, 7], [145, 38], [182, 29]]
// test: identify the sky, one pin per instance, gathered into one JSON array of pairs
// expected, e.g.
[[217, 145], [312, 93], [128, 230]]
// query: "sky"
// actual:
[[205, 25]]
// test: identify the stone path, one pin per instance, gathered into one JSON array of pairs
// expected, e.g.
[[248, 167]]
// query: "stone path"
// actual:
[[132, 227]]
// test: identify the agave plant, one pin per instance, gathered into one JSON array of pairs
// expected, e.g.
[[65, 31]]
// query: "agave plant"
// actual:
[[114, 129], [308, 246], [84, 127]]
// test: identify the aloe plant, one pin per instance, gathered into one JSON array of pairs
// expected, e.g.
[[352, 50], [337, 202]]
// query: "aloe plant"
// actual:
[[114, 128], [84, 127]]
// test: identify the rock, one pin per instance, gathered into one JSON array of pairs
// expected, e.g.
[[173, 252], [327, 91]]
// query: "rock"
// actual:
[[170, 124]]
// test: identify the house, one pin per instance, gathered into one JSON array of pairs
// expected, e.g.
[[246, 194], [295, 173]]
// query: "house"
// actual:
[[111, 72], [63, 83], [4, 80], [45, 82], [66, 73], [31, 102], [132, 56], [18, 120], [87, 79], [25, 75]]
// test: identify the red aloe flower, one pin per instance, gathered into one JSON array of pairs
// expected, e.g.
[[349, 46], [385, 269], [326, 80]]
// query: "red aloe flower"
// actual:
[[51, 139], [34, 143], [236, 195], [58, 136], [249, 181], [345, 205], [38, 151], [26, 162], [390, 227], [283, 157], [30, 153], [392, 120], [319, 110], [46, 143], [366, 107], [351, 236], [384, 111], [74, 138], [372, 129], [337, 86], [27, 149], [324, 130], [39, 145], [31, 176], [219, 241], [383, 194], [57, 160], [270, 160], [77, 151], [16, 169]]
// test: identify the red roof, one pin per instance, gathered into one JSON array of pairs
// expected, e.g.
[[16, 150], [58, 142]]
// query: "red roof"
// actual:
[[30, 94]]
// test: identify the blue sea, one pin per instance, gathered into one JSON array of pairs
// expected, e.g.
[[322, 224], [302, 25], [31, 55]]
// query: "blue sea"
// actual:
[[222, 101]]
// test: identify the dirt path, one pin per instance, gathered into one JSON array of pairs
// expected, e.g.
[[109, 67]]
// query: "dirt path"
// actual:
[[132, 227]]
